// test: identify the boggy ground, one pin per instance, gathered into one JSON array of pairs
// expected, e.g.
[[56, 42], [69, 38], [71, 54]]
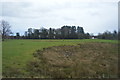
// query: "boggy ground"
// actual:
[[85, 60]]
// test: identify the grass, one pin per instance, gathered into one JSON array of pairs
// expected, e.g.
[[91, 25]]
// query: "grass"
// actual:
[[17, 53]]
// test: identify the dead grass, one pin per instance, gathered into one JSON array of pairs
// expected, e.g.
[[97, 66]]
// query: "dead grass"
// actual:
[[86, 60]]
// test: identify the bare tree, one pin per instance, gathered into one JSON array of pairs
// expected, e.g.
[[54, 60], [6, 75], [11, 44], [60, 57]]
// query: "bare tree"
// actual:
[[4, 29]]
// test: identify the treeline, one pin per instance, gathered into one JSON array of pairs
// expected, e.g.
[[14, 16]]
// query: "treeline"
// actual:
[[65, 32], [109, 35]]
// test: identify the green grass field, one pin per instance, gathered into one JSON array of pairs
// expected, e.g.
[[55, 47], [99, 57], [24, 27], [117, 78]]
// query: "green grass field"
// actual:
[[17, 53]]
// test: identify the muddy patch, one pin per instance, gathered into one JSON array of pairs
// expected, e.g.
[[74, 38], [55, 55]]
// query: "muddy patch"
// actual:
[[88, 60]]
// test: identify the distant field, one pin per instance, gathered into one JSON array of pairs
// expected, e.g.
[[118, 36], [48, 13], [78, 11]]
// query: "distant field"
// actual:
[[18, 53]]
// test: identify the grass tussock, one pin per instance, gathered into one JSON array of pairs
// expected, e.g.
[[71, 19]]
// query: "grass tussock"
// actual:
[[85, 60]]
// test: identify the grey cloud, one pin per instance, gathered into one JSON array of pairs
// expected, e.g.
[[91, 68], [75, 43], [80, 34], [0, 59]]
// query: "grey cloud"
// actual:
[[14, 9], [90, 15]]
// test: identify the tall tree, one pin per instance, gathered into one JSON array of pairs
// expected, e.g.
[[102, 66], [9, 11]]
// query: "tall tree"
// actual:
[[30, 30], [58, 33], [73, 32], [108, 35], [5, 29], [43, 33], [51, 33], [65, 32], [80, 32], [115, 35], [36, 34], [17, 35], [26, 34]]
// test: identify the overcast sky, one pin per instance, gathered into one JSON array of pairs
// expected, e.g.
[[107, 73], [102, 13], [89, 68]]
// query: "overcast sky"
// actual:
[[95, 16]]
